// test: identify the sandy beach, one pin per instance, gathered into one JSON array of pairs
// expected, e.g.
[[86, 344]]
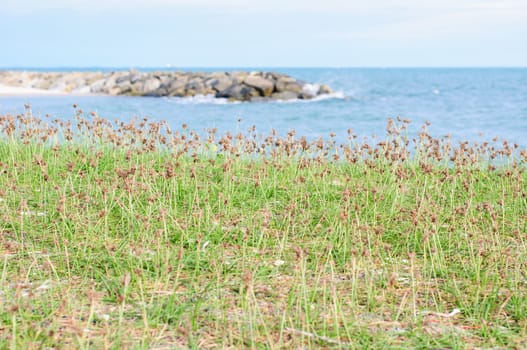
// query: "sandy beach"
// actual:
[[22, 91]]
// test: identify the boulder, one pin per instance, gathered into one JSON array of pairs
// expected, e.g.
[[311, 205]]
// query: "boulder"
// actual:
[[285, 83], [238, 92], [114, 91], [218, 82], [165, 79], [195, 85], [92, 78], [275, 76], [151, 84], [110, 83], [284, 95], [145, 87], [159, 92], [135, 76], [176, 87], [97, 86], [309, 91], [324, 89], [179, 92], [238, 77], [78, 83], [263, 85], [125, 87], [123, 79]]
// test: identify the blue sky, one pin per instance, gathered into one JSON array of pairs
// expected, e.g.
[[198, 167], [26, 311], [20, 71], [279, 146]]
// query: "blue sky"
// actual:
[[263, 33]]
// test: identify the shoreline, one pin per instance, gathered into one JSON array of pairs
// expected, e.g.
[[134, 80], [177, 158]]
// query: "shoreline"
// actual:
[[14, 91]]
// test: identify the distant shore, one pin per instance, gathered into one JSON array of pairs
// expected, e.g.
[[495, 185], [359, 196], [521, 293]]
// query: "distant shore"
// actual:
[[236, 86]]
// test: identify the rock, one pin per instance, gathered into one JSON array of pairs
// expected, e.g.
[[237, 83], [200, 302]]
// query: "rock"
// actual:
[[135, 77], [136, 89], [270, 76], [324, 89], [97, 86], [259, 99], [195, 85], [284, 95], [288, 84], [145, 87], [239, 92], [210, 83], [244, 86], [177, 87], [150, 85], [238, 77], [263, 85], [78, 83], [180, 92], [218, 82], [309, 91], [123, 79], [165, 79], [114, 91], [109, 84], [162, 90], [92, 78]]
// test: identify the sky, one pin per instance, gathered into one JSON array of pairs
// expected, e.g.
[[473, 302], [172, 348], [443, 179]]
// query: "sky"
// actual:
[[263, 33]]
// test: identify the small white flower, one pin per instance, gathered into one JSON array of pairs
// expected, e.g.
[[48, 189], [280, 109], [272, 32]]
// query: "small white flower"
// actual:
[[278, 263], [33, 213], [454, 312], [403, 280], [44, 286]]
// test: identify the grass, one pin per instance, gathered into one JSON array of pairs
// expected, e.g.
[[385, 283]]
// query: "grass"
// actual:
[[130, 235]]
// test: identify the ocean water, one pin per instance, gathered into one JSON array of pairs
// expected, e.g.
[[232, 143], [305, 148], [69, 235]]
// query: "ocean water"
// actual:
[[470, 104]]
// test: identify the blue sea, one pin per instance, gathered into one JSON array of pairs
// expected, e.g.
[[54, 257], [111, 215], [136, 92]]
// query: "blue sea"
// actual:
[[472, 104]]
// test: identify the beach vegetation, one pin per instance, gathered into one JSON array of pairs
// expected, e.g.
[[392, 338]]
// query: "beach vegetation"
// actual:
[[134, 235]]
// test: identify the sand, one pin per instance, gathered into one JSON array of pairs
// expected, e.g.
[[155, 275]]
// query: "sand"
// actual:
[[22, 91]]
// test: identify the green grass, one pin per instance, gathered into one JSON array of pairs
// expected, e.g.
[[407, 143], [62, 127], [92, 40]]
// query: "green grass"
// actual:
[[133, 236]]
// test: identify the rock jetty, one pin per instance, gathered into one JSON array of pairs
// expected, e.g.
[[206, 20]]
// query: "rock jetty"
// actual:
[[235, 86]]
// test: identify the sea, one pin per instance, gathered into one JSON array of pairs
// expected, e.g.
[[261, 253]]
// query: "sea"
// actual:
[[467, 104]]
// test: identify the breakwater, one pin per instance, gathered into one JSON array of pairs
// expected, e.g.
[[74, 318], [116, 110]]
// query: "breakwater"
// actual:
[[236, 86]]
